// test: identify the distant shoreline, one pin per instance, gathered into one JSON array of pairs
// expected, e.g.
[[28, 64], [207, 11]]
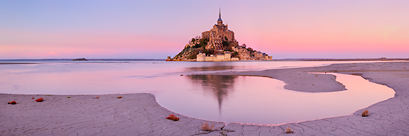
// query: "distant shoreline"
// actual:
[[357, 59], [16, 63]]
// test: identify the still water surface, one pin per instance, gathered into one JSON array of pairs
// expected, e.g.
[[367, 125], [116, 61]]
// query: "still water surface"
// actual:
[[244, 99]]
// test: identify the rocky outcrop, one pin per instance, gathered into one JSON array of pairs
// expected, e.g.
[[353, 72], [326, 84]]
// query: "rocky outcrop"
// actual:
[[80, 59]]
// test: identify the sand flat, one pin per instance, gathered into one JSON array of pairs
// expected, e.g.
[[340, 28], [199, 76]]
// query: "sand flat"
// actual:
[[133, 114], [139, 114]]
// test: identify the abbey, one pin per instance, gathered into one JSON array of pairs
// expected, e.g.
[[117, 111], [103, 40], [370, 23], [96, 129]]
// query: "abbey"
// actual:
[[217, 44], [218, 34]]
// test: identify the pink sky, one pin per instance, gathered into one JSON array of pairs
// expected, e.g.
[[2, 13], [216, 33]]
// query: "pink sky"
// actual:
[[156, 29]]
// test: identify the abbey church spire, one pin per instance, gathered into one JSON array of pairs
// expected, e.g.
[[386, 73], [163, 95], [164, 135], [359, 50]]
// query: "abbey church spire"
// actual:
[[219, 21], [220, 14]]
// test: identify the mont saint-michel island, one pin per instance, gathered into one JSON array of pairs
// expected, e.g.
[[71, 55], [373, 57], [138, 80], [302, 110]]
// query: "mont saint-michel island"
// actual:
[[218, 44]]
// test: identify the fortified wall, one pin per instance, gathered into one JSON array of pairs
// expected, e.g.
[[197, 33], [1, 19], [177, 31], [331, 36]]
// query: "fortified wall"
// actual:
[[219, 57]]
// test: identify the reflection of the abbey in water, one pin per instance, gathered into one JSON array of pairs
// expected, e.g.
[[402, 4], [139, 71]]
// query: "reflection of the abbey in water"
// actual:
[[219, 85]]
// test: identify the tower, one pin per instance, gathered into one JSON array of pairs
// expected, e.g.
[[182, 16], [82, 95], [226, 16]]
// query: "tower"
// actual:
[[220, 21]]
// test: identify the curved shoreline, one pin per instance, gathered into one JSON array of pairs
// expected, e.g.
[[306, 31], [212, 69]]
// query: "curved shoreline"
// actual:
[[140, 114]]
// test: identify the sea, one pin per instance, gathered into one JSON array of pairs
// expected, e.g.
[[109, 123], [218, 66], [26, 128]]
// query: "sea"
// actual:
[[190, 89]]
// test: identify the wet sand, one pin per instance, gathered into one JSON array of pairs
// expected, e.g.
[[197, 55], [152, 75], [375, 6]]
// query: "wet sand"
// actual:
[[140, 114]]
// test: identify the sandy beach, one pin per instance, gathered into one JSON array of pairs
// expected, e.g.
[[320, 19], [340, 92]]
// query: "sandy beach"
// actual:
[[140, 114]]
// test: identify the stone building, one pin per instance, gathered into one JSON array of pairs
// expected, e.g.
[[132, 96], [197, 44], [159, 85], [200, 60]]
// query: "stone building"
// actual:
[[218, 34], [244, 54]]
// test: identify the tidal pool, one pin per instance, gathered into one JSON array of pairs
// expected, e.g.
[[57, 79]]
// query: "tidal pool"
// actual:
[[262, 100]]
